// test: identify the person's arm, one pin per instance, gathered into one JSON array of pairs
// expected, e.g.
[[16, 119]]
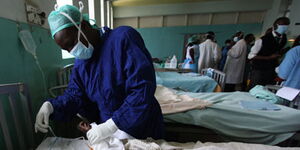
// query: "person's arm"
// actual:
[[140, 105], [287, 64], [61, 108], [255, 49]]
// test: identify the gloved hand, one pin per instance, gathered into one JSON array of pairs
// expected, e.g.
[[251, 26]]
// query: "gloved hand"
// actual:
[[42, 118], [101, 131]]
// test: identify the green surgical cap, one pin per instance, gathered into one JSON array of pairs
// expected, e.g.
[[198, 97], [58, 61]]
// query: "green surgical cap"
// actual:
[[193, 39], [58, 21]]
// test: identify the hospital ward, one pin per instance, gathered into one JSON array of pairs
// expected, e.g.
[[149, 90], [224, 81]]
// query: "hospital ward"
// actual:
[[150, 75]]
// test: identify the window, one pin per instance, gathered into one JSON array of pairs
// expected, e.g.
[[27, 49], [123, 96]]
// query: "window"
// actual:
[[102, 9], [64, 2], [92, 11]]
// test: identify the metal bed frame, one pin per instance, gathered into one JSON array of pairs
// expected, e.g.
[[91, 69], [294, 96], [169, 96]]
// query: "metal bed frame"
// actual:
[[275, 88], [217, 75], [23, 116], [63, 76]]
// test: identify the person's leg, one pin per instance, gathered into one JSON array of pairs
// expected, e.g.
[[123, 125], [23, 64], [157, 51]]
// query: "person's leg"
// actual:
[[269, 77], [229, 88], [262, 77], [255, 78]]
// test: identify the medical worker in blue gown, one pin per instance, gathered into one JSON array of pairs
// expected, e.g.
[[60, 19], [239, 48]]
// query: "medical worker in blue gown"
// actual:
[[113, 79]]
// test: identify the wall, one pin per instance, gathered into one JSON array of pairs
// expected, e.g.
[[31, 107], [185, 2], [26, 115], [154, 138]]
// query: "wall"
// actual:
[[166, 41], [294, 16], [192, 19], [15, 9]]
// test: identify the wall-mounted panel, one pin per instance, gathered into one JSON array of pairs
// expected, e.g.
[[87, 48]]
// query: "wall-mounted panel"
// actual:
[[132, 21], [251, 17], [198, 19], [224, 18], [150, 22], [174, 20]]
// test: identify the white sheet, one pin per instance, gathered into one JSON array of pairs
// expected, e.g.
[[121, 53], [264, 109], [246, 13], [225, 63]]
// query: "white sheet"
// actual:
[[135, 144], [170, 102]]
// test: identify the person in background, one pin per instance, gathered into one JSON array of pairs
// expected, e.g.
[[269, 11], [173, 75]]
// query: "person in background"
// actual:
[[238, 36], [192, 54], [228, 45], [209, 53], [235, 63], [112, 79], [265, 53]]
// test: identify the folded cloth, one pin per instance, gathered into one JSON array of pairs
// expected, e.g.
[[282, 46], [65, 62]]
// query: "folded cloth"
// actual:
[[170, 102], [259, 105], [259, 92]]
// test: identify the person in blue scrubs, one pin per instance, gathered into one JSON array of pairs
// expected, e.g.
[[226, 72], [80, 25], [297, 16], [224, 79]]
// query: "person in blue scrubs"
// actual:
[[289, 69], [228, 44], [112, 82]]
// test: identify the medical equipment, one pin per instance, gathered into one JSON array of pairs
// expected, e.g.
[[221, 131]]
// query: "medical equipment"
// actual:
[[173, 62], [30, 46], [17, 117]]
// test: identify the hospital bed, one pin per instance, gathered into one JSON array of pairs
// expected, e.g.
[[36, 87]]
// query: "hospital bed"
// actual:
[[230, 122], [229, 107], [190, 82], [17, 124], [172, 78], [16, 117]]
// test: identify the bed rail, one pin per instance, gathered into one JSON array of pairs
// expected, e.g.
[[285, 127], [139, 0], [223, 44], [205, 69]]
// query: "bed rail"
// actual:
[[293, 104], [15, 103], [63, 76], [217, 75]]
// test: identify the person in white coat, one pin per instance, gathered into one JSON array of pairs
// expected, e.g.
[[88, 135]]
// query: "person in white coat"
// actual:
[[210, 53], [235, 63]]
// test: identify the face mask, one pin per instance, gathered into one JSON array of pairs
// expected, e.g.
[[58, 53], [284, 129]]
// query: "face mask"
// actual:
[[235, 39], [281, 29], [80, 51]]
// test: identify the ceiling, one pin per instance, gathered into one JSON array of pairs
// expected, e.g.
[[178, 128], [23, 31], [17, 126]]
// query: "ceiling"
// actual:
[[121, 3]]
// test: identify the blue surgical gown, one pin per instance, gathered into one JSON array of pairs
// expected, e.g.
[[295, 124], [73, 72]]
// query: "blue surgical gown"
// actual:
[[289, 68], [119, 79]]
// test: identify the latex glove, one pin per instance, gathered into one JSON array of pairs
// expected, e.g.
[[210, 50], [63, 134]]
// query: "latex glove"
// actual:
[[42, 118], [101, 131]]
